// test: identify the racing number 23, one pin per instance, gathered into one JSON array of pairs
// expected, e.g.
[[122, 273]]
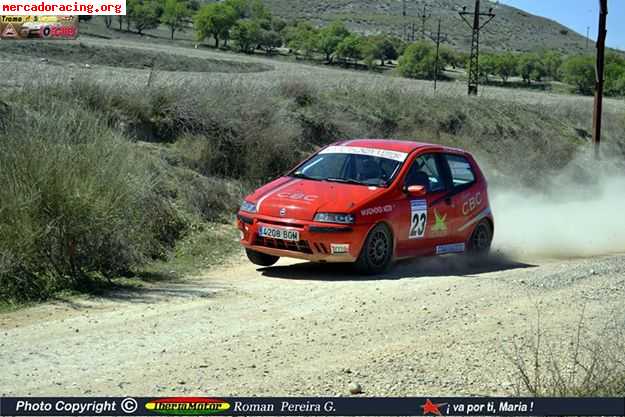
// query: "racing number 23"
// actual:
[[419, 218]]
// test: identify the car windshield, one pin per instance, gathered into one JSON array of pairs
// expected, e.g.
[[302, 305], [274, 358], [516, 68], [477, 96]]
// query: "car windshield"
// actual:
[[370, 167]]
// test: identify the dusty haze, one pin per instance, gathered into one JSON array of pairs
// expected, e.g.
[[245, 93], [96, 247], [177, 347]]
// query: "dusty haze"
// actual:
[[580, 213]]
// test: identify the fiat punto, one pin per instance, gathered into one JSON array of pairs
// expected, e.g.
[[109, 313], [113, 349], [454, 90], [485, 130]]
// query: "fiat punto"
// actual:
[[370, 202]]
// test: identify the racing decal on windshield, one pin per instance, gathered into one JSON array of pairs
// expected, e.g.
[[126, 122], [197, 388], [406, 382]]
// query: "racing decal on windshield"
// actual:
[[418, 218], [380, 153]]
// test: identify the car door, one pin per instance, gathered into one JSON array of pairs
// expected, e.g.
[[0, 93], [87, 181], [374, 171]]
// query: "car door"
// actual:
[[466, 194], [424, 220]]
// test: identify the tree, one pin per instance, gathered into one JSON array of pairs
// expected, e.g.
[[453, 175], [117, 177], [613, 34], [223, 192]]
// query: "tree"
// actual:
[[614, 75], [176, 13], [506, 66], [418, 61], [530, 68], [488, 65], [270, 40], [246, 33], [144, 14], [301, 37], [451, 57], [216, 20], [579, 71], [249, 9], [552, 61], [378, 48], [278, 24], [350, 48], [329, 38]]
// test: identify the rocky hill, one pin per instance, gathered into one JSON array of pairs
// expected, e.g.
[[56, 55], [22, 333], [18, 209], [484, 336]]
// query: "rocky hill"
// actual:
[[512, 29]]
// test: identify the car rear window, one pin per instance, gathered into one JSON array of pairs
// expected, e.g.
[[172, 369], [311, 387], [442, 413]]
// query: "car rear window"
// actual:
[[461, 170]]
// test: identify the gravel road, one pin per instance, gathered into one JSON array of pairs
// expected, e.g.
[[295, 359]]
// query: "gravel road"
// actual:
[[436, 326]]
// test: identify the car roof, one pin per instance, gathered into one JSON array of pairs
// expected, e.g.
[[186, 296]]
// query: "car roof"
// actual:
[[397, 145]]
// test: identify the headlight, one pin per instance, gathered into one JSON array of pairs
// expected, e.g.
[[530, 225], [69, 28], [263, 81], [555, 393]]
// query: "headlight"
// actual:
[[334, 218], [248, 207]]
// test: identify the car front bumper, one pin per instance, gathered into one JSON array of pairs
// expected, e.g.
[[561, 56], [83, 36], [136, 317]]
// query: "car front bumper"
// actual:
[[319, 242]]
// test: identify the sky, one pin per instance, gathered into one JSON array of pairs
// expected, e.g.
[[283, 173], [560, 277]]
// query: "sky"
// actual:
[[579, 14]]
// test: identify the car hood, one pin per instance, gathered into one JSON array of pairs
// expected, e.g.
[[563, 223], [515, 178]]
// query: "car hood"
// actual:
[[300, 199]]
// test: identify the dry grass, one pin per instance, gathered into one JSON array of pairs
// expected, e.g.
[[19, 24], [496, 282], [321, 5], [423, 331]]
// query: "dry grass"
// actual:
[[216, 135], [592, 364]]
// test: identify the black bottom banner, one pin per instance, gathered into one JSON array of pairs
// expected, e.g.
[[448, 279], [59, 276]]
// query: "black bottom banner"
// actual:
[[313, 406]]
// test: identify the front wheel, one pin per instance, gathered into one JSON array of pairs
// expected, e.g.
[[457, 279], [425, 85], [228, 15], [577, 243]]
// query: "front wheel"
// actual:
[[261, 259], [377, 252], [481, 239]]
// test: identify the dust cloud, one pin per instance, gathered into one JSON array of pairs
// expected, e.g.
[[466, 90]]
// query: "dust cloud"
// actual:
[[581, 212]]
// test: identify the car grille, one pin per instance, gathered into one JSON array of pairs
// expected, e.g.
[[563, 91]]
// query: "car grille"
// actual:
[[279, 223], [302, 246]]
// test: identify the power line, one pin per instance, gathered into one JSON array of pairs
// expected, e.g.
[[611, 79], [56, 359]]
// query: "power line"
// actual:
[[476, 26]]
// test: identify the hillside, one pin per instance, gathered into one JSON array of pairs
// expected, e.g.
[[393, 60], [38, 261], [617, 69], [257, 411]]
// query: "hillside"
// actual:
[[512, 29]]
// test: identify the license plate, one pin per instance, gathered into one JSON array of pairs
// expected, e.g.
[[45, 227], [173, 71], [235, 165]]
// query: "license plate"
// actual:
[[282, 234]]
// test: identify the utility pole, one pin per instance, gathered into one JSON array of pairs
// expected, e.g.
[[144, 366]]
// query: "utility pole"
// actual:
[[438, 39], [587, 36], [438, 46], [424, 18], [476, 26], [403, 20], [598, 108]]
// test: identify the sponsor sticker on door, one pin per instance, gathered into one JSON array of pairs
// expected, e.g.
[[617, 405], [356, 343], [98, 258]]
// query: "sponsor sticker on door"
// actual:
[[418, 218], [453, 248]]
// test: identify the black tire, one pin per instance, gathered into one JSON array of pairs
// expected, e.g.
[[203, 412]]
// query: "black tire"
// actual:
[[377, 252], [481, 239], [261, 259]]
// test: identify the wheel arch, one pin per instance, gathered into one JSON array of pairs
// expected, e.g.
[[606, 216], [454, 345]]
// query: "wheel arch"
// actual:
[[386, 223]]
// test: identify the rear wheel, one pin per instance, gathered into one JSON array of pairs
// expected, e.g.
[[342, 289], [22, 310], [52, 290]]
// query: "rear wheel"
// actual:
[[261, 259], [481, 239], [377, 252]]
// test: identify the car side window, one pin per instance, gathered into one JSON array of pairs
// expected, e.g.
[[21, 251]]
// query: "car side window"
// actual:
[[424, 171], [461, 171]]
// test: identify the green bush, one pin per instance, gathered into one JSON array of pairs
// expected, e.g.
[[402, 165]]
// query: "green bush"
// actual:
[[77, 201], [579, 72], [418, 61]]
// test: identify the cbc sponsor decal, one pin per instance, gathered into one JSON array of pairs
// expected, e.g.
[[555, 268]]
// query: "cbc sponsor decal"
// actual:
[[472, 204], [298, 196], [187, 406], [376, 210]]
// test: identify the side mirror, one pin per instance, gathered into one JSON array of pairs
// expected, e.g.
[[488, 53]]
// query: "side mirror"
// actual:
[[416, 190]]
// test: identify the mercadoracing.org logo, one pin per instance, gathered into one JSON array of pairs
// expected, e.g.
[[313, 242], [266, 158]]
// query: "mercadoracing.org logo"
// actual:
[[187, 406]]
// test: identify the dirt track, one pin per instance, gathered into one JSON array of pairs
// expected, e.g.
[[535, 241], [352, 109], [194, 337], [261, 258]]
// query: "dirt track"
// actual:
[[435, 326]]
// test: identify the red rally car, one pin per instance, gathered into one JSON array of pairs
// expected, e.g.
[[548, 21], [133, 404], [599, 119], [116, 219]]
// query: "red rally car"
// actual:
[[370, 202]]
